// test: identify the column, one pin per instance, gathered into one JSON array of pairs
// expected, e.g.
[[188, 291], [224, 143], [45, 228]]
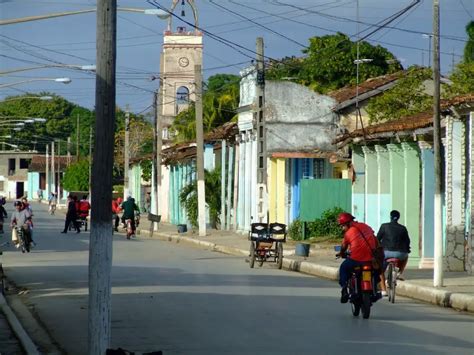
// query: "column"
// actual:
[[455, 194], [248, 181], [253, 181], [427, 205], [280, 191], [470, 204], [358, 185], [242, 183], [272, 181], [411, 214], [383, 185], [371, 177], [397, 182]]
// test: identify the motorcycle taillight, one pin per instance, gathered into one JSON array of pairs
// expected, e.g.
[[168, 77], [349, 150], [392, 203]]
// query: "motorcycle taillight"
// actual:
[[366, 267]]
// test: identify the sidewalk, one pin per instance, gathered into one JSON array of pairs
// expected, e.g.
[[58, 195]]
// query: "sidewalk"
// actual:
[[458, 290]]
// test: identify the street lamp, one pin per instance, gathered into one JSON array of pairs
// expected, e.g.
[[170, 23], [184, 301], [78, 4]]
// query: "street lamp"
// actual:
[[58, 80], [89, 67], [156, 12], [429, 36]]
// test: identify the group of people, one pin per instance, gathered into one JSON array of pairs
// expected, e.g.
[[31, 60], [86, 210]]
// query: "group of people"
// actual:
[[361, 240], [127, 209], [22, 217], [77, 210]]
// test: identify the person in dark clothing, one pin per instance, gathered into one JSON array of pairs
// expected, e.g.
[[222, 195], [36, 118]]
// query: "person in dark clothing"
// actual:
[[71, 214], [395, 240], [129, 207]]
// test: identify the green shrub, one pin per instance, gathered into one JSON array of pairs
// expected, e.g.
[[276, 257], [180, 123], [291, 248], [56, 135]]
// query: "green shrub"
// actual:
[[295, 230], [326, 226]]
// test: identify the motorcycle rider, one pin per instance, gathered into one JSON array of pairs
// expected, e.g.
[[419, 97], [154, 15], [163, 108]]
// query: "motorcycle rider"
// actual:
[[129, 207], [360, 239], [396, 242], [20, 218]]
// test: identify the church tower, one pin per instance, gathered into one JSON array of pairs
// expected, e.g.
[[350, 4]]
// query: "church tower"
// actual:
[[182, 49]]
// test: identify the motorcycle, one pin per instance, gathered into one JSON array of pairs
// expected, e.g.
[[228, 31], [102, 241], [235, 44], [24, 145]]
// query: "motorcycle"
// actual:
[[362, 288], [23, 240]]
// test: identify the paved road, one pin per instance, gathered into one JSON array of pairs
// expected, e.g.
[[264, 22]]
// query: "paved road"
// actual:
[[188, 301]]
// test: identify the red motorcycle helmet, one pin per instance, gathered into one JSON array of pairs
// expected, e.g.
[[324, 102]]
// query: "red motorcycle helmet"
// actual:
[[345, 218]]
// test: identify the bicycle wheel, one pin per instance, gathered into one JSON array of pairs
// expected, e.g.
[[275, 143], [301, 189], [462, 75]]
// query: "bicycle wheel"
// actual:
[[280, 255], [389, 281], [252, 255], [393, 284]]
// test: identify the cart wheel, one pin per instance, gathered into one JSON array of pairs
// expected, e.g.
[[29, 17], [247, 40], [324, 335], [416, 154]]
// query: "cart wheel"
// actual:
[[85, 226], [252, 255], [280, 255]]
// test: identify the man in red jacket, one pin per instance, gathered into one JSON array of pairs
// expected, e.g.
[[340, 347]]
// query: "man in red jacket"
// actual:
[[360, 239]]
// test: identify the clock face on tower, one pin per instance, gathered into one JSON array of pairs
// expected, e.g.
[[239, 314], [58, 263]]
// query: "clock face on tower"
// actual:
[[183, 62]]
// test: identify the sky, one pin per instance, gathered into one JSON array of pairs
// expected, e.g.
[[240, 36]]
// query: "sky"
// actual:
[[285, 25]]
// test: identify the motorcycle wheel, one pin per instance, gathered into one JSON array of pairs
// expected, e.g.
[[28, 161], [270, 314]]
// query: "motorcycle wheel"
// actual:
[[252, 255], [366, 305], [355, 306]]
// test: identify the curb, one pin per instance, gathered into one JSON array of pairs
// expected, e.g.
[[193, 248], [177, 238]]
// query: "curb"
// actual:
[[458, 301], [17, 328]]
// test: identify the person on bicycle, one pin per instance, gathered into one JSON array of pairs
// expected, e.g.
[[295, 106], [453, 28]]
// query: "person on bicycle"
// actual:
[[20, 218], [52, 203], [129, 207], [360, 239], [396, 243]]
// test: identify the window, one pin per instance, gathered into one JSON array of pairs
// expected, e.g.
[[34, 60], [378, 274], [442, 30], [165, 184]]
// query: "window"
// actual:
[[24, 163], [182, 95], [318, 168], [11, 166]]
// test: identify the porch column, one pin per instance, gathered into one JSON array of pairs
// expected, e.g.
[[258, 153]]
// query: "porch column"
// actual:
[[248, 181], [397, 184], [427, 205], [358, 185], [383, 185], [455, 194], [411, 216], [371, 177], [470, 209], [242, 183]]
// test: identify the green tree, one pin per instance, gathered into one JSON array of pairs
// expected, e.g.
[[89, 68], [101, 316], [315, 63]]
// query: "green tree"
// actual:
[[76, 177], [462, 79], [469, 48], [220, 100], [329, 63], [188, 198], [406, 98]]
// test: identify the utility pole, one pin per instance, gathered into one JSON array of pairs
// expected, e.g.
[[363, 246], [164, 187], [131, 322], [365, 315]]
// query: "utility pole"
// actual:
[[53, 172], [261, 135], [126, 155], [90, 161], [438, 232], [47, 171], [100, 246], [159, 139], [200, 153], [59, 171], [68, 151], [77, 138]]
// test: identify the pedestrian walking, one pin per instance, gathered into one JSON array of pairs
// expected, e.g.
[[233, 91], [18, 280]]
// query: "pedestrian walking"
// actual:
[[71, 214], [3, 215], [148, 202]]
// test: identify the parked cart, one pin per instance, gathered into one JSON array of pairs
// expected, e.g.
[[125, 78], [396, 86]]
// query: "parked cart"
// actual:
[[266, 243]]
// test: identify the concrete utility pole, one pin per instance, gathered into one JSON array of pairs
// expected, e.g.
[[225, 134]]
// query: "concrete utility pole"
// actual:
[[261, 135], [77, 138], [200, 153], [100, 246], [126, 156], [68, 151], [158, 143], [438, 224], [53, 173], [59, 172], [47, 189], [90, 161]]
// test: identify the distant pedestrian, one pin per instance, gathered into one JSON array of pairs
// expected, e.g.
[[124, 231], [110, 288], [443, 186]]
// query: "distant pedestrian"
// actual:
[[3, 215], [148, 202], [116, 209], [71, 214], [52, 203]]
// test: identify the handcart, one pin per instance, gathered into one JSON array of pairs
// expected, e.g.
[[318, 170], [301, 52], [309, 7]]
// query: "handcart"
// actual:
[[266, 243]]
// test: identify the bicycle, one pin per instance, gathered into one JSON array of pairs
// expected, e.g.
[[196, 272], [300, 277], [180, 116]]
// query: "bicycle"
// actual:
[[392, 273]]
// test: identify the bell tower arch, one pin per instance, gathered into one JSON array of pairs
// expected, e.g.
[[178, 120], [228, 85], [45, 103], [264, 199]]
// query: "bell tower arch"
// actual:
[[181, 51]]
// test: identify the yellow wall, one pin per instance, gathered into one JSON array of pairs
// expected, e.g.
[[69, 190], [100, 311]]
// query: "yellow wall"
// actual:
[[276, 190]]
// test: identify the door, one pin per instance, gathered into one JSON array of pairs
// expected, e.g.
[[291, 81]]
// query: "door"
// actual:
[[20, 189]]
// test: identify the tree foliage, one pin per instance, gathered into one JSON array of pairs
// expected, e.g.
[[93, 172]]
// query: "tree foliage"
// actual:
[[76, 177], [469, 48], [189, 199], [329, 63], [462, 79], [220, 100], [407, 97]]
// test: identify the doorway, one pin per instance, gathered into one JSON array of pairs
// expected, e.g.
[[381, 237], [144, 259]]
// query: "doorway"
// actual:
[[20, 189]]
